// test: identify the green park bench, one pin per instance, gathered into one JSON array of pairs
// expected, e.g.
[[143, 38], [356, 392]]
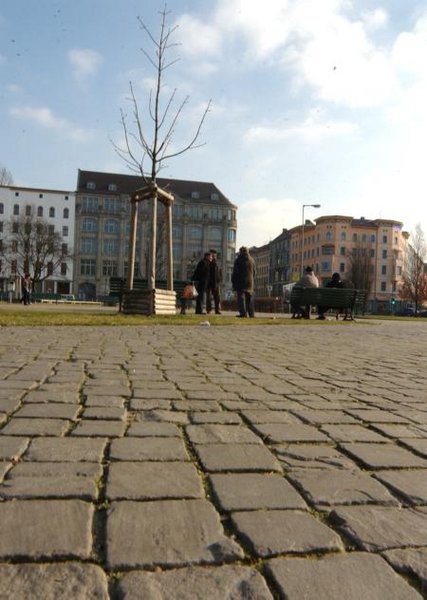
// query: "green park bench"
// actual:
[[347, 300]]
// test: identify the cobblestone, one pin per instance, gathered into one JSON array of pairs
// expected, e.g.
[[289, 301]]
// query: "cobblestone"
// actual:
[[250, 462]]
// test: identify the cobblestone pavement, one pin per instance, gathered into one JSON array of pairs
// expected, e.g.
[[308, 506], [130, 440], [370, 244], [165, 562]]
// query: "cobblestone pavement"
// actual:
[[250, 462]]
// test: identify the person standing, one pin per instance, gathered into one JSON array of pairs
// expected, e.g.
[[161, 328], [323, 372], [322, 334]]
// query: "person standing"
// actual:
[[26, 289], [200, 279], [243, 280], [214, 282]]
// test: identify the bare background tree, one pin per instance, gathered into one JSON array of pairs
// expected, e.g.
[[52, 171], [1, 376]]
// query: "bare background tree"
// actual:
[[5, 176], [32, 246], [414, 287], [361, 272]]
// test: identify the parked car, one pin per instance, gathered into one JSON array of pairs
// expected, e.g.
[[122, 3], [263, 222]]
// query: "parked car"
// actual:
[[405, 312], [422, 313]]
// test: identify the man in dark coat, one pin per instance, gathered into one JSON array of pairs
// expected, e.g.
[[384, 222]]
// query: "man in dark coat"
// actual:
[[214, 282], [201, 278], [335, 282], [243, 280]]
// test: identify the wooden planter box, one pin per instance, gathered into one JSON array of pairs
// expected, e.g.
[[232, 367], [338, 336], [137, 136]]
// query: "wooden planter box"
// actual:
[[149, 302]]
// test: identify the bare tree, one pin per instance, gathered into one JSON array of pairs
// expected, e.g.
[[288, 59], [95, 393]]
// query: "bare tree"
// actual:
[[32, 246], [5, 176], [414, 286], [361, 272], [149, 140]]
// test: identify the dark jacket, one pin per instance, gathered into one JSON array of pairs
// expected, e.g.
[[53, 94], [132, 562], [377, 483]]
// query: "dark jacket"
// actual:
[[243, 276], [215, 275], [201, 273]]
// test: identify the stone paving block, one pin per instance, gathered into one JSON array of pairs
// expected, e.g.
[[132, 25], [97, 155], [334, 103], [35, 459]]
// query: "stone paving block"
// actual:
[[419, 446], [352, 433], [35, 427], [312, 456], [107, 413], [247, 491], [8, 405], [148, 449], [256, 416], [376, 528], [46, 529], [156, 394], [166, 533], [197, 583], [340, 486], [384, 456], [411, 561], [339, 577], [153, 429], [104, 428], [272, 532], [151, 480], [402, 431], [12, 448], [221, 434], [236, 457], [52, 480], [5, 466], [68, 581], [51, 393], [287, 433], [319, 417], [66, 449], [223, 417], [371, 415], [143, 404], [410, 485], [166, 416], [107, 390], [200, 405], [100, 401], [48, 410]]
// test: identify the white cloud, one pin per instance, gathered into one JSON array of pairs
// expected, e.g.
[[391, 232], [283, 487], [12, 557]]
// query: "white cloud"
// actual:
[[199, 39], [85, 63], [259, 219], [44, 117], [313, 129], [375, 19]]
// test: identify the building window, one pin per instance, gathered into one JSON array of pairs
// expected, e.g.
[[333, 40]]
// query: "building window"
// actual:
[[214, 196], [50, 268], [65, 231], [112, 205], [40, 211], [354, 237], [177, 232], [343, 236], [111, 247], [373, 237], [40, 195], [16, 209], [90, 185], [372, 253], [325, 266], [89, 225], [1, 208], [195, 233], [231, 235], [88, 245], [87, 266], [111, 226], [328, 236], [63, 269], [109, 268], [52, 212], [215, 234], [383, 270], [89, 204], [28, 211], [16, 193], [15, 227], [112, 187], [384, 253], [1, 229], [383, 286], [66, 213], [364, 238], [51, 229], [343, 251], [64, 249], [342, 267], [384, 239], [195, 195]]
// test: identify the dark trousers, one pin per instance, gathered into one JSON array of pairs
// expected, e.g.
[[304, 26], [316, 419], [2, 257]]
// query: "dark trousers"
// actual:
[[245, 303], [201, 297], [212, 293]]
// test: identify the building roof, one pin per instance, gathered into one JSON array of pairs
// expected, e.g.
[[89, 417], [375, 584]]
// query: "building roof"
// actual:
[[208, 193]]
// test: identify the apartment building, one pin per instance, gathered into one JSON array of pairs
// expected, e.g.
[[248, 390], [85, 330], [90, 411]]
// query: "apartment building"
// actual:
[[327, 244], [203, 219], [56, 207], [261, 256]]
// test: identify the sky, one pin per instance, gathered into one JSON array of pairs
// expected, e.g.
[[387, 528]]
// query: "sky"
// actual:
[[312, 102]]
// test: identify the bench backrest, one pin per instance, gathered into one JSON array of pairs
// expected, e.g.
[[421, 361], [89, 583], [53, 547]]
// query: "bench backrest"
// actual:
[[332, 297]]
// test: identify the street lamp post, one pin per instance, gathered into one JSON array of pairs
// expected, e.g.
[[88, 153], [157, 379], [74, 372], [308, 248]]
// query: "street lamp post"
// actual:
[[304, 206]]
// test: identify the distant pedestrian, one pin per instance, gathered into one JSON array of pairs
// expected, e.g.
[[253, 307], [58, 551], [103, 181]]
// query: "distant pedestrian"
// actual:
[[243, 280], [200, 279], [214, 283], [26, 289]]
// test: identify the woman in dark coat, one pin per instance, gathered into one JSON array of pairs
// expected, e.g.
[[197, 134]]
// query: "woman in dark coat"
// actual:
[[243, 279], [200, 279]]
